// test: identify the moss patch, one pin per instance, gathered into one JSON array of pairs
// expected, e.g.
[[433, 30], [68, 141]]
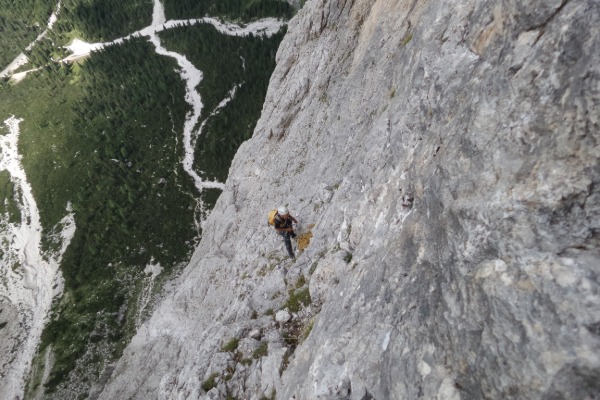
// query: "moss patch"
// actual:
[[261, 351], [210, 383], [297, 299]]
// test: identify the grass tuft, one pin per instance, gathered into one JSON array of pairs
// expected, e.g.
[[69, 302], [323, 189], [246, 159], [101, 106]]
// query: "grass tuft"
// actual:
[[297, 299], [261, 351], [210, 382], [230, 346]]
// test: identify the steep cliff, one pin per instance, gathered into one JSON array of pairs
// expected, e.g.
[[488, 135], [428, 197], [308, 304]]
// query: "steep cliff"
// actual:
[[447, 154]]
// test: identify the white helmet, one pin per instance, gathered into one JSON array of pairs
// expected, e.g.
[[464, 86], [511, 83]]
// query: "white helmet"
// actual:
[[282, 210]]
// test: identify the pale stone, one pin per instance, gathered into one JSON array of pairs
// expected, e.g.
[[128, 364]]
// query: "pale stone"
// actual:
[[282, 316], [254, 334], [271, 372]]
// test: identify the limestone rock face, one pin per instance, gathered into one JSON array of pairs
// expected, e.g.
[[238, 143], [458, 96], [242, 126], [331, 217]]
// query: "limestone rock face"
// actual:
[[447, 154]]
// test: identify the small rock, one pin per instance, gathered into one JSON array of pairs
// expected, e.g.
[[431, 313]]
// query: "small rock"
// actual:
[[408, 200], [254, 334], [272, 337], [282, 316], [219, 362], [213, 394]]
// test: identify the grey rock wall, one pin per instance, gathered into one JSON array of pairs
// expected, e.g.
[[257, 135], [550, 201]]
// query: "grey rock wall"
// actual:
[[447, 154]]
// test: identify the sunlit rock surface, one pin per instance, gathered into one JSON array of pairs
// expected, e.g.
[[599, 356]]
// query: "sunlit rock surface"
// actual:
[[447, 153]]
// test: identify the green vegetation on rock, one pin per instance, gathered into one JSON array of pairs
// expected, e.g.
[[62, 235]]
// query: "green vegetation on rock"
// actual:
[[231, 345], [261, 351], [297, 299]]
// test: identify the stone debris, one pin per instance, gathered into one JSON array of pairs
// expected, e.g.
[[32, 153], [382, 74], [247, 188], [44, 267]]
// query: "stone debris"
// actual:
[[254, 334], [282, 316]]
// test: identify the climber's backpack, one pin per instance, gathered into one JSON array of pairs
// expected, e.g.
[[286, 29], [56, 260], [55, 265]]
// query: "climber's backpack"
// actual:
[[272, 215]]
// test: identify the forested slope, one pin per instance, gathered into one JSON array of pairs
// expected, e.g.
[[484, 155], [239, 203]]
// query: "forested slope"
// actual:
[[20, 23], [227, 62], [102, 137], [244, 10]]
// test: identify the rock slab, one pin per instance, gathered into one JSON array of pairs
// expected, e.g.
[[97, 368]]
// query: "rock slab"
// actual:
[[447, 154]]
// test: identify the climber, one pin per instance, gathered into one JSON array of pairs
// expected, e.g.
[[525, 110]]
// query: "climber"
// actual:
[[283, 226]]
